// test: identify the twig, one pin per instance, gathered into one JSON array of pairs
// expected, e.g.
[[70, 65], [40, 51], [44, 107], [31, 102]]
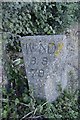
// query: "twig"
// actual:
[[24, 104], [44, 104], [26, 115], [14, 101], [35, 111]]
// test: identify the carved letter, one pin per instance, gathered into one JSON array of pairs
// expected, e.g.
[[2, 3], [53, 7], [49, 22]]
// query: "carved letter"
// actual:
[[33, 60], [44, 60], [29, 47], [33, 72], [51, 48], [41, 73], [42, 48]]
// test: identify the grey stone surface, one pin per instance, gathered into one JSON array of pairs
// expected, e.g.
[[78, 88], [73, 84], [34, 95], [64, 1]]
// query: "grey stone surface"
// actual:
[[44, 58], [72, 62]]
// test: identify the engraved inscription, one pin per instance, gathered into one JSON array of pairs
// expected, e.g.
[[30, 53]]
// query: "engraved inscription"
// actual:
[[41, 48], [35, 72]]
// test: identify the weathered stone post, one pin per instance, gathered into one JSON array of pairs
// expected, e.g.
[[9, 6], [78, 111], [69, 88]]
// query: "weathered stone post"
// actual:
[[45, 65]]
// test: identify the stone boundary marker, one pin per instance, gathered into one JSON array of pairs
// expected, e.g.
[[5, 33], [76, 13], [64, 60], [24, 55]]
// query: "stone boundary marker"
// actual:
[[44, 58]]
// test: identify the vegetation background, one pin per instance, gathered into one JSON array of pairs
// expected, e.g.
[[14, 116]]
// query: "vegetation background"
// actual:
[[23, 19]]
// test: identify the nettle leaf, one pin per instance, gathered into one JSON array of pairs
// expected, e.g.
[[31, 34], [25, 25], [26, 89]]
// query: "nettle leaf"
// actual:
[[17, 101], [5, 114]]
